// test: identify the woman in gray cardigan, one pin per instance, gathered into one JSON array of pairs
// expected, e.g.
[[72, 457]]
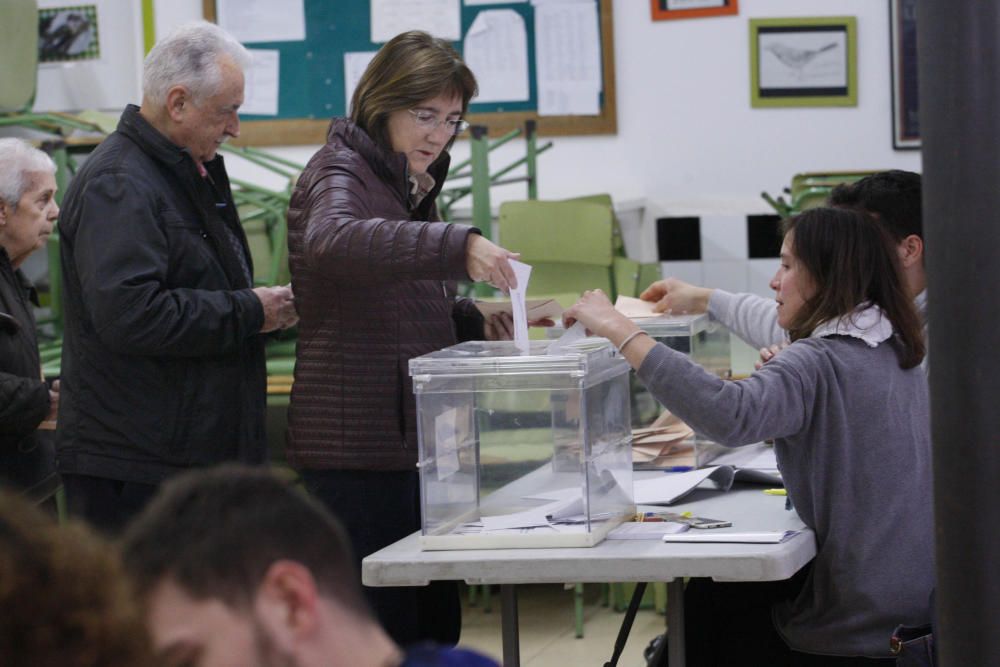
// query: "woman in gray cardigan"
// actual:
[[847, 406]]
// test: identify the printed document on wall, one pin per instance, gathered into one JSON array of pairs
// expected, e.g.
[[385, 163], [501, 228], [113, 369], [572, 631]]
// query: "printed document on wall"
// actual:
[[441, 18], [263, 20], [496, 49], [355, 64], [567, 58], [262, 83]]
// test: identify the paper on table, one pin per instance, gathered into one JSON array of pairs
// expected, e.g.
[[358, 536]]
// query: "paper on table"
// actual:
[[263, 20], [440, 18], [652, 530], [496, 49], [261, 92], [537, 309], [522, 272], [573, 334], [671, 487], [754, 463], [536, 516], [772, 537]]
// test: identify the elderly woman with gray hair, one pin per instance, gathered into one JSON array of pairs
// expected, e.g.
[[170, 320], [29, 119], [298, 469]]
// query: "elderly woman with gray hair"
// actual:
[[27, 212]]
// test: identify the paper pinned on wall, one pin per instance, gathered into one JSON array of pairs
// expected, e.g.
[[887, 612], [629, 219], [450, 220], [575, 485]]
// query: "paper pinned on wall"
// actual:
[[263, 20], [496, 49], [522, 272], [260, 95], [441, 18], [567, 58], [355, 64]]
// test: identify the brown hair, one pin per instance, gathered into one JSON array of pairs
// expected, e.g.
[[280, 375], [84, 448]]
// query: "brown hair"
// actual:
[[215, 532], [851, 260], [65, 596], [412, 67]]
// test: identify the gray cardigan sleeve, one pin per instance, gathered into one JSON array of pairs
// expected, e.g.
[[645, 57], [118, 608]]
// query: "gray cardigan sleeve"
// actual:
[[753, 318], [774, 402]]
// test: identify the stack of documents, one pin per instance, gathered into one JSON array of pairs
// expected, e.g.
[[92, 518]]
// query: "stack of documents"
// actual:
[[663, 443]]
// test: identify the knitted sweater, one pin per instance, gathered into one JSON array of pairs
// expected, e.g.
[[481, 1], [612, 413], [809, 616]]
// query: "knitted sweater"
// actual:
[[852, 438]]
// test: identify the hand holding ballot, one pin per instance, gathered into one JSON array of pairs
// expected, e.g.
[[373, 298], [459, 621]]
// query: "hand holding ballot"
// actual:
[[676, 297], [487, 262]]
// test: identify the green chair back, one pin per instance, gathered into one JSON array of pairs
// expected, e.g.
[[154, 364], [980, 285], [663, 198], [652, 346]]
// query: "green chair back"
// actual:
[[568, 244], [18, 55]]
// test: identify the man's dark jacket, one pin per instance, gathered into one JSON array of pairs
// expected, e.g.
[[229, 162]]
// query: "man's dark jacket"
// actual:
[[162, 366], [26, 456]]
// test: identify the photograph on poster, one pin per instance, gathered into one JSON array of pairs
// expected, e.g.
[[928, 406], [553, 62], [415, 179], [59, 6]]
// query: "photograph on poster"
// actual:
[[99, 68], [68, 34]]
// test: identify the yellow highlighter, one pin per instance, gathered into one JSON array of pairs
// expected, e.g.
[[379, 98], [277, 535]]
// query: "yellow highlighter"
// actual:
[[776, 492]]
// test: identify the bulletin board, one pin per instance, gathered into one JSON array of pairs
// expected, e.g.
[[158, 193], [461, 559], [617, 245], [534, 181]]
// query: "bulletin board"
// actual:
[[311, 77]]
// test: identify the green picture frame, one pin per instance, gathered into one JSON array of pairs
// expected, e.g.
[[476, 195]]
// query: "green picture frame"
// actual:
[[804, 62]]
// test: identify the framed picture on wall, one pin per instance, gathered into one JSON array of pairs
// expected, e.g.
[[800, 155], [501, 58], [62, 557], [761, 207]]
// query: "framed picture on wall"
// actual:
[[689, 9], [803, 62], [905, 93], [68, 34]]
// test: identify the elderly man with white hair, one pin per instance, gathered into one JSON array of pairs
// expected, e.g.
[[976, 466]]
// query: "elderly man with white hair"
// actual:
[[27, 212], [163, 358]]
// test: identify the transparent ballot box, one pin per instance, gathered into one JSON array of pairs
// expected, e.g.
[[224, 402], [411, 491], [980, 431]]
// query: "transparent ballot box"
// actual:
[[707, 343], [522, 450]]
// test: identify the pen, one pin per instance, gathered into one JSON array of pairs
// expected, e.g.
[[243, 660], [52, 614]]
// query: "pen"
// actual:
[[677, 469], [776, 492]]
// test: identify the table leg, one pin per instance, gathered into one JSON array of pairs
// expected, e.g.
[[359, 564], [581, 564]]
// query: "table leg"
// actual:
[[508, 623], [675, 622]]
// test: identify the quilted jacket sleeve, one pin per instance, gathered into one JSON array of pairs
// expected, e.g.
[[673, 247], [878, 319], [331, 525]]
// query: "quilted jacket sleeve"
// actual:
[[350, 233]]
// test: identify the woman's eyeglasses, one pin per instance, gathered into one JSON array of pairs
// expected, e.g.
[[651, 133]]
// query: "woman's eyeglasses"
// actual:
[[429, 121]]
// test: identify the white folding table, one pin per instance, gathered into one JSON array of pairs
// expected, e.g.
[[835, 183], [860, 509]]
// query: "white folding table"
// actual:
[[405, 564]]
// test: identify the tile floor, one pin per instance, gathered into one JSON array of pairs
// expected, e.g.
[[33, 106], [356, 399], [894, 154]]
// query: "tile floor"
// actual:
[[547, 628]]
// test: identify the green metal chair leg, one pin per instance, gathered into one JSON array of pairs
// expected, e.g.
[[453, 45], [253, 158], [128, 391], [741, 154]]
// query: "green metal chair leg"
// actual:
[[578, 609], [487, 599]]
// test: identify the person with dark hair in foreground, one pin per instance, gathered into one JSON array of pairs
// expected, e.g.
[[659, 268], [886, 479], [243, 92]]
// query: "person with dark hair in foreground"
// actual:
[[66, 601], [236, 568]]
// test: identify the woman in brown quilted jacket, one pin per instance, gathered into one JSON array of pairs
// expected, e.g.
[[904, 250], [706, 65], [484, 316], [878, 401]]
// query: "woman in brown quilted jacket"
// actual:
[[374, 274]]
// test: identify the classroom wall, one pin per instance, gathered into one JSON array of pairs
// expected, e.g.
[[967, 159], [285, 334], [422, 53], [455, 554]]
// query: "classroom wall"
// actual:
[[688, 142]]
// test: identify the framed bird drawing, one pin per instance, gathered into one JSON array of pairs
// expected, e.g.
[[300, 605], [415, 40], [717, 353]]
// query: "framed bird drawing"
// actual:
[[803, 62]]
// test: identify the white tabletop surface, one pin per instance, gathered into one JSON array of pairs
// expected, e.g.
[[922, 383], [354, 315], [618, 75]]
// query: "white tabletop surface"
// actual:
[[749, 509]]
